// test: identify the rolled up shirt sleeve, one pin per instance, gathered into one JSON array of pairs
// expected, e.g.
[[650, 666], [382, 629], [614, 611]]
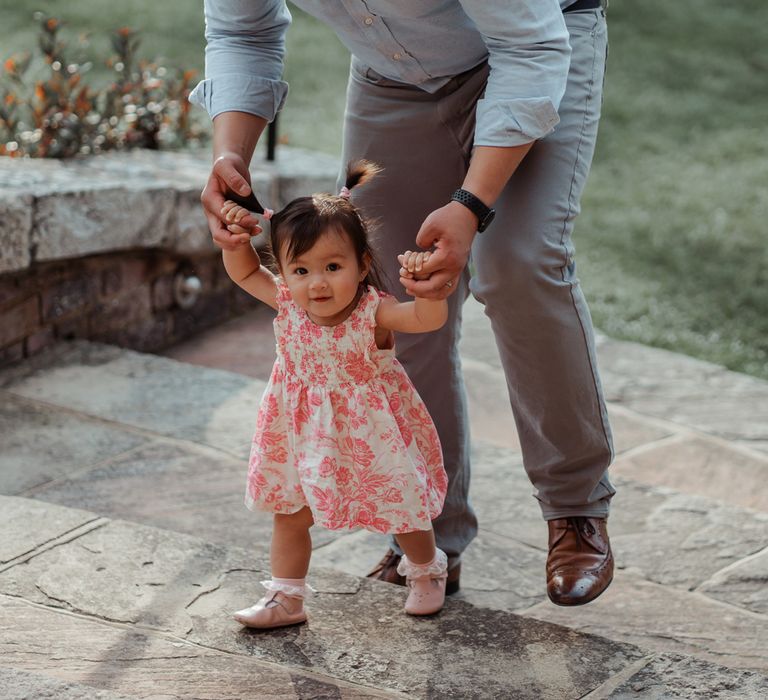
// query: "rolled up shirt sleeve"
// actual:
[[244, 58], [529, 57]]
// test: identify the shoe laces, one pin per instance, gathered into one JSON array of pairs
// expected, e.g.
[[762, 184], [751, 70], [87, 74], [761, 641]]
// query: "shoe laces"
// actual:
[[583, 529]]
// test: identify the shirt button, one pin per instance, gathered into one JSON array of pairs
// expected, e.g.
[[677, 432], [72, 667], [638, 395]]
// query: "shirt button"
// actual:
[[369, 21], [397, 56]]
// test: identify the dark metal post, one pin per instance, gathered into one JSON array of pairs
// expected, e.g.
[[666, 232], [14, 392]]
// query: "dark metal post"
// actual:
[[271, 139]]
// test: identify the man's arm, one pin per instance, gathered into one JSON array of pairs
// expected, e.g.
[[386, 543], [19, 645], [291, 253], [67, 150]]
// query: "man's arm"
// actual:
[[529, 56], [242, 92], [245, 45], [235, 135], [452, 228]]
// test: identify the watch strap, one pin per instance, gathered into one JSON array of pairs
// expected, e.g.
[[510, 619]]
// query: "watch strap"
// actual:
[[475, 205]]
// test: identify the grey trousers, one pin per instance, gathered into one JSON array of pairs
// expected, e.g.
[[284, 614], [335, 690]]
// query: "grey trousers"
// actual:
[[523, 272]]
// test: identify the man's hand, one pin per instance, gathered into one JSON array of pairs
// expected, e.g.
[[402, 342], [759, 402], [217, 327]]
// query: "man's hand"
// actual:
[[229, 173], [449, 231]]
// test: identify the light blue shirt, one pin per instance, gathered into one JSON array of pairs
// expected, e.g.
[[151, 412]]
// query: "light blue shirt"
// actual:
[[423, 43]]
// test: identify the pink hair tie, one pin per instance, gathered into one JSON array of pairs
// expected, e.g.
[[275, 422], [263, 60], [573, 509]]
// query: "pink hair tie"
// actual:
[[344, 192], [268, 214]]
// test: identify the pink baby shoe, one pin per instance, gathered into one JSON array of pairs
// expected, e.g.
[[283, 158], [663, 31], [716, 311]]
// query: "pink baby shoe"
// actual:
[[426, 584], [283, 605]]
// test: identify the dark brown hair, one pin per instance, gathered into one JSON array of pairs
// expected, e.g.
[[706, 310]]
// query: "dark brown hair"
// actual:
[[297, 227]]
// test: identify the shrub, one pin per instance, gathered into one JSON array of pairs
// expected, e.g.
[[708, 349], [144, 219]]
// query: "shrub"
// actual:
[[59, 115]]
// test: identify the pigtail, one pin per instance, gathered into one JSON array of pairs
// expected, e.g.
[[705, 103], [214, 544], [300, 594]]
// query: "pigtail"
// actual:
[[250, 202], [359, 172]]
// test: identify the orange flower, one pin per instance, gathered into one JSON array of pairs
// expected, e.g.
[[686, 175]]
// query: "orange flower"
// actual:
[[10, 65], [52, 24]]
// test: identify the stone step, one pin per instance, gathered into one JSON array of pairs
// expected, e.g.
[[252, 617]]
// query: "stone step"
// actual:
[[139, 611]]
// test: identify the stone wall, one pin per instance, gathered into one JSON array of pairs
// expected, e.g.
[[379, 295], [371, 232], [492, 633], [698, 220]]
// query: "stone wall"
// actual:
[[126, 299], [101, 248]]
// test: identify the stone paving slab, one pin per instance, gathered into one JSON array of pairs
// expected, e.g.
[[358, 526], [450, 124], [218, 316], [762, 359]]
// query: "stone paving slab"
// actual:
[[211, 407], [499, 573], [671, 537], [28, 526], [127, 573], [22, 685], [666, 619], [704, 466], [168, 582], [197, 492], [685, 390], [462, 652], [671, 676], [41, 444], [502, 496], [657, 533], [245, 345], [745, 584], [491, 419], [688, 539], [137, 663]]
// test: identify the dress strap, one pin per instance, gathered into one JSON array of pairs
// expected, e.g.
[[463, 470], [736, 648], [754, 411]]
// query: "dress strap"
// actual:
[[283, 293], [369, 304]]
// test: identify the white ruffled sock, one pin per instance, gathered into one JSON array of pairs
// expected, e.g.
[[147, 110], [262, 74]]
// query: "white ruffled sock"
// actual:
[[290, 586], [437, 567]]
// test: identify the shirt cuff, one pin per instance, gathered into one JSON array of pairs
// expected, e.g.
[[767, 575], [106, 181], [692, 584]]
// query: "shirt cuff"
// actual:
[[240, 93], [514, 122]]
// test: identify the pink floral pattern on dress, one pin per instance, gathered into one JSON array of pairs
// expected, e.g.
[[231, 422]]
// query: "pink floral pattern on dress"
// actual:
[[342, 430]]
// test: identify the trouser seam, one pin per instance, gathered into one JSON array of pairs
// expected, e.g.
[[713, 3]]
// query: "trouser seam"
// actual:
[[562, 269]]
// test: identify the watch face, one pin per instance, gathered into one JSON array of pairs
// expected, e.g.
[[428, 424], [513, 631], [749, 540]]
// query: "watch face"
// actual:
[[486, 222]]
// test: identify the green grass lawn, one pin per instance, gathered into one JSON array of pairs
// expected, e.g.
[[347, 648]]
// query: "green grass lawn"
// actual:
[[672, 238], [672, 242]]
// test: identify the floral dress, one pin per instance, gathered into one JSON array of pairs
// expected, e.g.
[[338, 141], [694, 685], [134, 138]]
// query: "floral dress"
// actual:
[[342, 430]]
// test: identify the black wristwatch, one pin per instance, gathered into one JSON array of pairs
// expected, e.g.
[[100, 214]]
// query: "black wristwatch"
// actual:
[[484, 214]]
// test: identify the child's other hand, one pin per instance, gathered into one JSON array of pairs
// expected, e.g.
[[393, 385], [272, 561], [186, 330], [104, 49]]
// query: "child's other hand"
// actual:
[[411, 264], [232, 214]]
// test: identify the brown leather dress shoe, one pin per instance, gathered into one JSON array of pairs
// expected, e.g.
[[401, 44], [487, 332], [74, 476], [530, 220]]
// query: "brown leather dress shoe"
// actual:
[[580, 562], [386, 570]]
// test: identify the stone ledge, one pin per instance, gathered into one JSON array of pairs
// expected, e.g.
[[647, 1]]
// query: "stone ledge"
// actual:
[[53, 210]]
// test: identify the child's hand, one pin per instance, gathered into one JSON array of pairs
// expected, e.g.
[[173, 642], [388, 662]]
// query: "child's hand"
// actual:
[[411, 264], [233, 214]]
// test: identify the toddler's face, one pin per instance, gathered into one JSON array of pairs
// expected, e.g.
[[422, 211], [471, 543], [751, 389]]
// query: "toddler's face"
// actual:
[[324, 280]]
